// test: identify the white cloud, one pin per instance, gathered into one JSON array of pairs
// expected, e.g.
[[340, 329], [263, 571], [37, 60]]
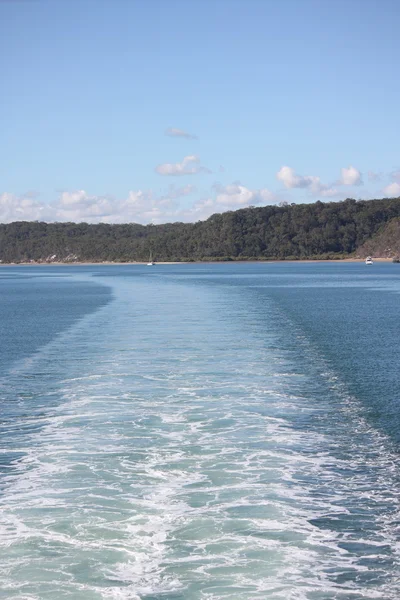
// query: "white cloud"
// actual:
[[199, 211], [237, 195], [320, 189], [291, 180], [229, 197], [146, 207], [190, 165], [350, 176], [393, 189], [80, 206], [77, 206], [140, 207], [328, 192], [73, 198], [22, 208], [174, 132]]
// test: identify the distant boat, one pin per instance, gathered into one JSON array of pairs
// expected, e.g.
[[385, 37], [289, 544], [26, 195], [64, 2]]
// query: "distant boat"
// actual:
[[369, 261], [150, 263]]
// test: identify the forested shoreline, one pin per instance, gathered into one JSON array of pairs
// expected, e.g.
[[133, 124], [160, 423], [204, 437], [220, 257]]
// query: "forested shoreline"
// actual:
[[330, 230]]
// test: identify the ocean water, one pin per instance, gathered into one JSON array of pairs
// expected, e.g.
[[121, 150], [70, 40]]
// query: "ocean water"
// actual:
[[200, 432]]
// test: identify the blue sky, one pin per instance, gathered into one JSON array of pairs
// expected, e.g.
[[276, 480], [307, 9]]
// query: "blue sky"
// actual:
[[171, 110]]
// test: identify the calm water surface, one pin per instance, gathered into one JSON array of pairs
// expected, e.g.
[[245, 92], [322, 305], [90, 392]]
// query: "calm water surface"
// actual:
[[200, 432]]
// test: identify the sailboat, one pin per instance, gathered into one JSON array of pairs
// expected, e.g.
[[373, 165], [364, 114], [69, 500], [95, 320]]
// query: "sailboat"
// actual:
[[150, 263]]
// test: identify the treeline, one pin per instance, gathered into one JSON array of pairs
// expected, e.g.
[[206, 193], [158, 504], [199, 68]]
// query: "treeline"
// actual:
[[297, 231]]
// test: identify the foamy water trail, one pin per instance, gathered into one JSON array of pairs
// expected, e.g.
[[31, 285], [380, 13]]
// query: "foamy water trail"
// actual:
[[181, 444]]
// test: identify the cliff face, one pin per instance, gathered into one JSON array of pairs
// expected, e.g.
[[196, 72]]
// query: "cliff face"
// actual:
[[385, 243]]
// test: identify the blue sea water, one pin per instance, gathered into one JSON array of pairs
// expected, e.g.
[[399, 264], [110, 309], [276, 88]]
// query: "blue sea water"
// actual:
[[200, 432]]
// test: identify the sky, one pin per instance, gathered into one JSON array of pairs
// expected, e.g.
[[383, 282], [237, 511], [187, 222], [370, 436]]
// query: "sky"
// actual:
[[154, 111]]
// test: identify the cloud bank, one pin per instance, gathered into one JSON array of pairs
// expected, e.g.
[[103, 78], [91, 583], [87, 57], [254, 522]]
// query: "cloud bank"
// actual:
[[140, 206], [23, 208]]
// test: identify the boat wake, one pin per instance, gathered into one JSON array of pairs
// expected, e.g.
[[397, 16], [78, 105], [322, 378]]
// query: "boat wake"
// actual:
[[240, 468]]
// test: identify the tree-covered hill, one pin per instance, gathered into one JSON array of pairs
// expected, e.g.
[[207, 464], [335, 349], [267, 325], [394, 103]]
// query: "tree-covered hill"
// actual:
[[332, 229]]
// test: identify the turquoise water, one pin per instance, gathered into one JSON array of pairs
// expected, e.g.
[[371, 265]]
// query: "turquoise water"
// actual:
[[200, 432]]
